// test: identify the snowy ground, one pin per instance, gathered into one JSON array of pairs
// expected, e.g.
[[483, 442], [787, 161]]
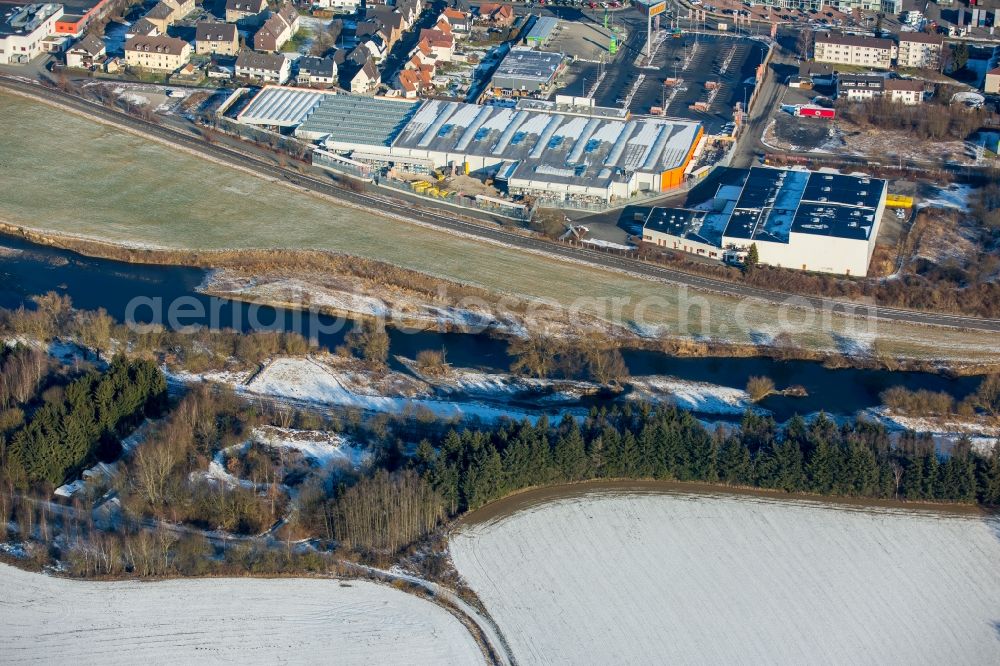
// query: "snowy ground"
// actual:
[[954, 196], [696, 396], [326, 450], [308, 380], [50, 620], [721, 579]]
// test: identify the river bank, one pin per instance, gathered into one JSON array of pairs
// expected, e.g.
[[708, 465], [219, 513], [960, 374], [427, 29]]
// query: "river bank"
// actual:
[[352, 287]]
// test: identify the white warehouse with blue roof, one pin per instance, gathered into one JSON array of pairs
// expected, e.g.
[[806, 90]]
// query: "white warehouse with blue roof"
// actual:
[[815, 221]]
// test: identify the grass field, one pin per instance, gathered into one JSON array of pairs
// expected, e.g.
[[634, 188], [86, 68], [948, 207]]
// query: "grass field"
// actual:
[[69, 175]]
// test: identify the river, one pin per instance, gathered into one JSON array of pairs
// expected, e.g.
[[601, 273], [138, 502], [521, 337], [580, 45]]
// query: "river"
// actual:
[[27, 269]]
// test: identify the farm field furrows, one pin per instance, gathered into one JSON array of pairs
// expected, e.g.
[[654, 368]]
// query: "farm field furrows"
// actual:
[[90, 180], [215, 620], [680, 578]]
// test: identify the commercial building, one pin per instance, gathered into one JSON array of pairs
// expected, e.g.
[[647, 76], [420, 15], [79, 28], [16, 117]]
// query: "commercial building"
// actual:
[[157, 54], [815, 221], [79, 14], [548, 151], [220, 38], [854, 50], [541, 32], [24, 30], [918, 49], [524, 71], [861, 88], [892, 7]]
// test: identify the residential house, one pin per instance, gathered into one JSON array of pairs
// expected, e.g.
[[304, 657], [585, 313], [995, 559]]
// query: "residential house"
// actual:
[[317, 72], [377, 47], [270, 67], [439, 41], [348, 6], [219, 38], [86, 53], [142, 28], [277, 29], [249, 13], [854, 50], [918, 49], [410, 9], [367, 79], [863, 88], [389, 20], [414, 81], [495, 15], [159, 53], [991, 85], [456, 18], [904, 91], [166, 12]]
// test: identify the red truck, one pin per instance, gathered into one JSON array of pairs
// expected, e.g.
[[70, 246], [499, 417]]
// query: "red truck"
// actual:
[[808, 111]]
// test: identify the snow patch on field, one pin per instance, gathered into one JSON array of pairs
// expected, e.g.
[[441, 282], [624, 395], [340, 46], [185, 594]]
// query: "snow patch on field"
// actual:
[[307, 380], [641, 578], [246, 621], [695, 396], [954, 196]]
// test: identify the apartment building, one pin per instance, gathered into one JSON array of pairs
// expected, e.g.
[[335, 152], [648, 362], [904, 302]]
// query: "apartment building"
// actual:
[[918, 49], [854, 50], [220, 38], [157, 54]]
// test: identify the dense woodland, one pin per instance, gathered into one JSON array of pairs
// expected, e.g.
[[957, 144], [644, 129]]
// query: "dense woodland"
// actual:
[[77, 423], [474, 467]]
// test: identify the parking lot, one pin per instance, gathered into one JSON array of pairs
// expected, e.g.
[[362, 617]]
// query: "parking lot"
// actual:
[[696, 76]]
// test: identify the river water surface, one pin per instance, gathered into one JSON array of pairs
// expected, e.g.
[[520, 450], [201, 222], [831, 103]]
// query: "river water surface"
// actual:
[[27, 270]]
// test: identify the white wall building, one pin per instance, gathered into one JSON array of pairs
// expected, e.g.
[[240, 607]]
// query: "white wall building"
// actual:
[[854, 50], [814, 221], [23, 32]]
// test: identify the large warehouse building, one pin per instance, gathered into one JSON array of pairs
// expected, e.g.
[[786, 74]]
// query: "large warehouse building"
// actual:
[[814, 221], [547, 150]]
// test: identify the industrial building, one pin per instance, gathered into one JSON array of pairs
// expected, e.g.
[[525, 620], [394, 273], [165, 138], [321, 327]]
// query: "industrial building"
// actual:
[[816, 221], [551, 151], [526, 72]]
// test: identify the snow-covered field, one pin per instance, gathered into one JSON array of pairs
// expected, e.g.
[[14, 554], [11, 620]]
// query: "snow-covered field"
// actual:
[[644, 578], [51, 620]]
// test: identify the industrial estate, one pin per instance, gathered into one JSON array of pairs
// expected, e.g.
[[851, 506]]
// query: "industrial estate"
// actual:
[[508, 110]]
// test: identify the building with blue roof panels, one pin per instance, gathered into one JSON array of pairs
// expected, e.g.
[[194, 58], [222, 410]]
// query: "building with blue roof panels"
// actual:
[[817, 221], [357, 120], [277, 106]]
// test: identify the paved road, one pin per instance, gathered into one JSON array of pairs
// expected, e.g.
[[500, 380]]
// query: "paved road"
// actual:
[[594, 258]]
